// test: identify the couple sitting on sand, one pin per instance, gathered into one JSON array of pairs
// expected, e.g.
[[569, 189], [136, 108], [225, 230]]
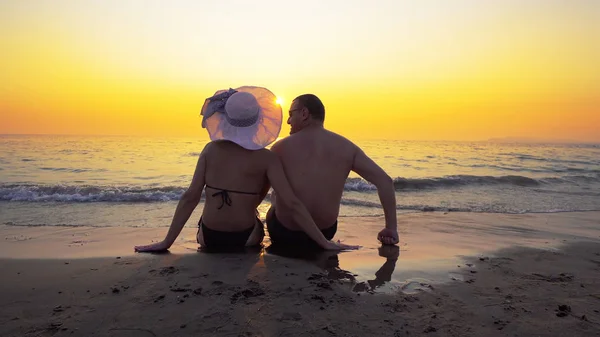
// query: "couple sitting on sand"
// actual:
[[306, 170]]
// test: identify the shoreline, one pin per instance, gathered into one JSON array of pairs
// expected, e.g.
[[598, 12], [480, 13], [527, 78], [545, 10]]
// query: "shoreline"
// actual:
[[450, 233]]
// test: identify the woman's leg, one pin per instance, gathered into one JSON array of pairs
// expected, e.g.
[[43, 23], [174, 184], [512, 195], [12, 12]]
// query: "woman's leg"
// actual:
[[200, 235], [257, 235]]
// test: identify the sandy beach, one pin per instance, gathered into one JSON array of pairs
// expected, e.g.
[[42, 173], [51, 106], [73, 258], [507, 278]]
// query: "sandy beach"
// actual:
[[454, 274]]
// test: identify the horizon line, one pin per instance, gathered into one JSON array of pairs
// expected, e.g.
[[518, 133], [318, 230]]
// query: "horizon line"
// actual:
[[501, 140]]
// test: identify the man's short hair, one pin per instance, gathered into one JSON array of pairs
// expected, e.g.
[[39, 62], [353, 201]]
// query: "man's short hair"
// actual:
[[314, 106]]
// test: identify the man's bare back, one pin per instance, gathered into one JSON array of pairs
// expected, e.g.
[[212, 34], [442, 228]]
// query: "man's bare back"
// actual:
[[317, 163]]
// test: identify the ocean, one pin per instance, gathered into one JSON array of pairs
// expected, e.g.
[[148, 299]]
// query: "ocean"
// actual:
[[136, 182]]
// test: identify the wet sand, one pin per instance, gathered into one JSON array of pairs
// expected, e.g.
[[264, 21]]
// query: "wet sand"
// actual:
[[455, 274]]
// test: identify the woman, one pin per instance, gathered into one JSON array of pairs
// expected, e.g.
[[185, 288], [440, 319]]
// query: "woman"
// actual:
[[237, 171]]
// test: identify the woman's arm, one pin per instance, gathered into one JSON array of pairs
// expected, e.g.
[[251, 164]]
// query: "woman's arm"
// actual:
[[188, 202]]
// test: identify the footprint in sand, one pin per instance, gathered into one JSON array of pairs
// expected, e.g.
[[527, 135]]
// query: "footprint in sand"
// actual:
[[290, 316], [165, 271], [413, 287], [246, 293], [456, 277], [126, 332], [78, 243]]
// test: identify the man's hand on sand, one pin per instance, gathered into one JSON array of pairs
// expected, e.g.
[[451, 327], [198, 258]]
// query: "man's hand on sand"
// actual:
[[389, 251], [331, 245], [155, 247], [388, 236]]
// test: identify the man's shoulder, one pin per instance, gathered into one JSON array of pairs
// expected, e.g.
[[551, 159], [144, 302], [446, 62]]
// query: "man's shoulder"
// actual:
[[284, 142], [338, 137], [277, 146], [281, 142], [338, 141], [322, 136]]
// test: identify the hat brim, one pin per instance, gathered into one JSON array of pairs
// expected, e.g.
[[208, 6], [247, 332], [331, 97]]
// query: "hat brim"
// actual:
[[254, 137]]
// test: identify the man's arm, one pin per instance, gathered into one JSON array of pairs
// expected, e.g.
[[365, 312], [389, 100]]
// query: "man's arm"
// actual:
[[371, 172], [277, 148]]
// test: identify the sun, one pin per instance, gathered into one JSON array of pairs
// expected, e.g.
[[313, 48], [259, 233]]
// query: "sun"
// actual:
[[279, 100]]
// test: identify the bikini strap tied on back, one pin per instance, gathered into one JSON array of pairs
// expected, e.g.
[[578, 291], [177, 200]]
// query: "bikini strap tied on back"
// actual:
[[225, 198]]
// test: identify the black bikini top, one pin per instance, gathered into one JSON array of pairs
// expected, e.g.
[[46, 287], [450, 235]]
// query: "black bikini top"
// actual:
[[225, 199]]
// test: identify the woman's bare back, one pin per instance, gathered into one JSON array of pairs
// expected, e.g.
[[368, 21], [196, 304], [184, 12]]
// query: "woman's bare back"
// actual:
[[236, 182]]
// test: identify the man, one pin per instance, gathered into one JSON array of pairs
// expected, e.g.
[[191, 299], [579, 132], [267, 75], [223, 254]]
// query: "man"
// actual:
[[317, 163]]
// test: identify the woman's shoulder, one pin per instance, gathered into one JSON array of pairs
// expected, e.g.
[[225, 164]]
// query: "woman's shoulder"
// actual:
[[216, 145], [224, 147], [208, 148]]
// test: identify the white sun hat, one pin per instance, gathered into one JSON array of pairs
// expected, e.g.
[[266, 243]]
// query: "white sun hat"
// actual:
[[248, 116]]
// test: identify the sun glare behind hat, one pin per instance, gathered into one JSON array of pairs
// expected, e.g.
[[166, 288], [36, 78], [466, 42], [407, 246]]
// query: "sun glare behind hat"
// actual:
[[248, 116]]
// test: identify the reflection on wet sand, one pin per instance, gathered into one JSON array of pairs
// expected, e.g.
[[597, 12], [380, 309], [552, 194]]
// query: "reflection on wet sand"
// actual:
[[329, 261]]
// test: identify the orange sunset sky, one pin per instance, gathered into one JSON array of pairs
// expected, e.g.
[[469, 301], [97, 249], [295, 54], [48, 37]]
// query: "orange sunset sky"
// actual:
[[422, 70]]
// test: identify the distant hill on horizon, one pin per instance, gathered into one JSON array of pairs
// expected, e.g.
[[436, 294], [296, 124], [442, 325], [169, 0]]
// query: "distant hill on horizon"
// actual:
[[525, 140]]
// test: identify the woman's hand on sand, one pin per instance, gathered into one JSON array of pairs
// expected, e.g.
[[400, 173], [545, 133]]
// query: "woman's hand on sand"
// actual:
[[388, 236], [331, 245], [155, 247]]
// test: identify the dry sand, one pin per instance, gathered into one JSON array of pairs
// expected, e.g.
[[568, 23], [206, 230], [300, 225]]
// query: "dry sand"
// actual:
[[489, 275]]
